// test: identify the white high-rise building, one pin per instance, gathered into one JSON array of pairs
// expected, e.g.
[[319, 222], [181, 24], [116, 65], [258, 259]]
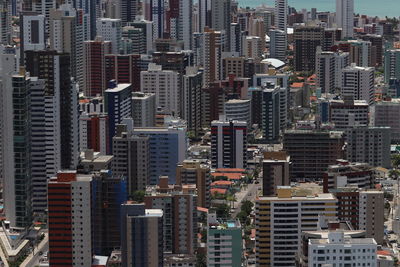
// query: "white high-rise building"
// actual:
[[32, 33], [281, 13], [328, 67], [358, 83], [345, 17], [339, 250], [143, 109], [281, 219], [253, 47], [110, 30], [239, 110], [277, 44], [165, 84], [66, 35]]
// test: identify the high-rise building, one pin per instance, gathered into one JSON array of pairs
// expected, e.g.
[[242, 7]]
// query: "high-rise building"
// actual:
[[392, 65], [167, 148], [363, 209], [147, 31], [32, 33], [228, 144], [110, 30], [66, 36], [281, 219], [212, 48], [118, 105], [253, 47], [270, 114], [345, 173], [221, 18], [141, 236], [133, 41], [361, 53], [143, 109], [93, 132], [345, 17], [180, 215], [16, 144], [94, 66], [204, 16], [127, 10], [192, 171], [192, 99], [123, 69], [165, 84], [54, 68], [342, 249], [109, 192], [281, 13], [131, 158], [306, 41], [328, 68], [275, 167], [154, 10], [376, 48], [45, 150], [5, 23], [386, 114], [358, 83], [312, 151], [238, 110], [277, 44], [224, 241], [179, 23], [70, 231], [345, 114], [369, 144]]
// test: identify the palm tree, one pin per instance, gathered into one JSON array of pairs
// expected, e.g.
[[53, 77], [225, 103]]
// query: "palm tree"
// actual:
[[232, 199]]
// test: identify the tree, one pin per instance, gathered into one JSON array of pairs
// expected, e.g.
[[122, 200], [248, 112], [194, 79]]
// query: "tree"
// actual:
[[242, 216], [138, 196], [222, 211], [201, 260], [396, 160], [394, 174], [247, 207]]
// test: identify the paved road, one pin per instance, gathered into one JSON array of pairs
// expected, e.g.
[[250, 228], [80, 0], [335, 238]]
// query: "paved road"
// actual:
[[248, 194], [33, 259]]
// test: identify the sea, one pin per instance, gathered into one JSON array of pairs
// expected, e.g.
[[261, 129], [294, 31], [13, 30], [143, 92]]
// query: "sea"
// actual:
[[380, 8]]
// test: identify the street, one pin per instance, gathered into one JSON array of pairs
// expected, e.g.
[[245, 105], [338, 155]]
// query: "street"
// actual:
[[250, 193], [34, 260]]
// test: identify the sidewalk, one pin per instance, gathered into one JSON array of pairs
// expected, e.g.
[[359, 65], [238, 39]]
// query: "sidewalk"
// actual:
[[42, 244]]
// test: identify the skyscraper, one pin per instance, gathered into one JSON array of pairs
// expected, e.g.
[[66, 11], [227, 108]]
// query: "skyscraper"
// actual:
[[141, 236], [180, 21], [358, 83], [345, 17], [66, 36], [110, 30], [281, 13], [154, 11], [70, 231], [54, 68], [94, 66], [228, 144], [16, 142], [221, 18]]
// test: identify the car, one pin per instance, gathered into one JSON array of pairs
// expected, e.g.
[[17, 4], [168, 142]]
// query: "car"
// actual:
[[257, 182], [397, 218]]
